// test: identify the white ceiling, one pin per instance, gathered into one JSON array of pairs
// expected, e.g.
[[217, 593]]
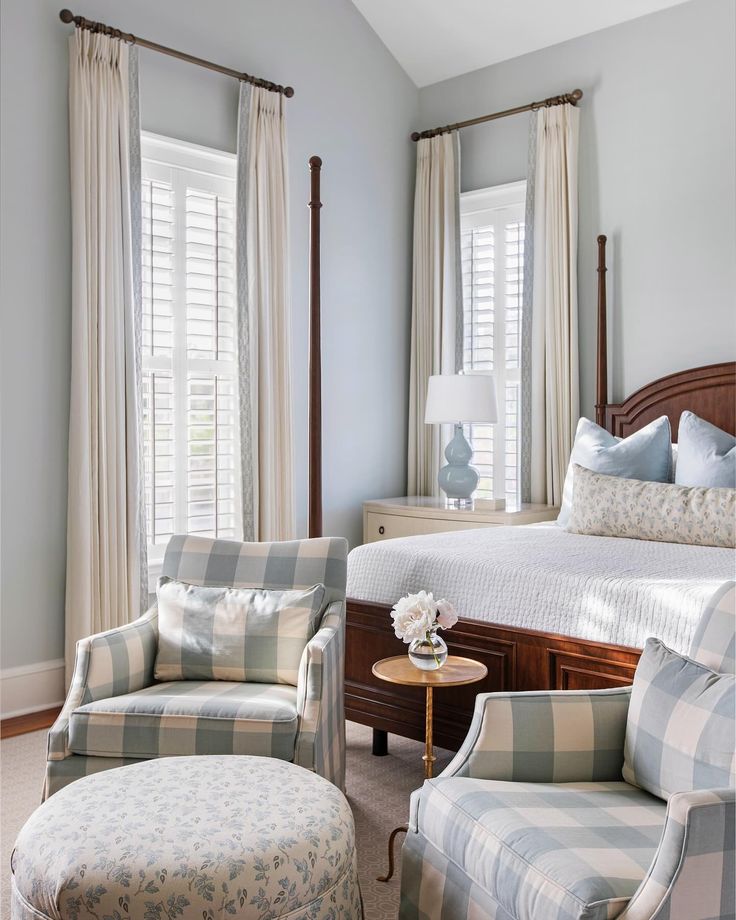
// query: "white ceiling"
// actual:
[[437, 39]]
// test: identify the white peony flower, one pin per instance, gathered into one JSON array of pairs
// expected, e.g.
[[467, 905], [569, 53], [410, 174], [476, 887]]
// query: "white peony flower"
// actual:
[[446, 614], [413, 616]]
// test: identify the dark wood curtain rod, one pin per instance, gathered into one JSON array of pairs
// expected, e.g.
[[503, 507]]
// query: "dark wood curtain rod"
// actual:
[[81, 23], [572, 98]]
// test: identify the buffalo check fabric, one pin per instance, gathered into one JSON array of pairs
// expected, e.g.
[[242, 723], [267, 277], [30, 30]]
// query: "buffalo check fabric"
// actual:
[[189, 717], [434, 887], [121, 661], [545, 736], [693, 874], [320, 744], [508, 833], [714, 642], [680, 729], [110, 663], [242, 634], [564, 851], [296, 564]]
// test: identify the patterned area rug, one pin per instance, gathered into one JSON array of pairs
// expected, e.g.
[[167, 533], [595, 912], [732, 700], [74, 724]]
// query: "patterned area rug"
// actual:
[[378, 790]]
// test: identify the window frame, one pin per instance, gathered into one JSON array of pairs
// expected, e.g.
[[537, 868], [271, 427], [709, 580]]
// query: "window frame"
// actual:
[[170, 160], [497, 206]]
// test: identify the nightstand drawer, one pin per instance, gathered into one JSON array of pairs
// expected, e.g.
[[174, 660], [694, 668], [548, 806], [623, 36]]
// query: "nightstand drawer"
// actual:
[[377, 526]]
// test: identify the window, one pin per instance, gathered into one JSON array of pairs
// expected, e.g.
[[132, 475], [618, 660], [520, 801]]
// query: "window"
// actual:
[[190, 430], [492, 239]]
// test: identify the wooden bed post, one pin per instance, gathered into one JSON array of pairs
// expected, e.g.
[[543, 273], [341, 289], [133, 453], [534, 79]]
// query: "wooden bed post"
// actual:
[[601, 392], [315, 354]]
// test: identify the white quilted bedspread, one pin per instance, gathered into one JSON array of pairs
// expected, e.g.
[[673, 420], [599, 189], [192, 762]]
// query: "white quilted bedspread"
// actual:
[[543, 578]]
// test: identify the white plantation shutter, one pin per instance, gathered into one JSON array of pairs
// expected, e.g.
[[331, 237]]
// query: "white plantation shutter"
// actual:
[[189, 343], [492, 246]]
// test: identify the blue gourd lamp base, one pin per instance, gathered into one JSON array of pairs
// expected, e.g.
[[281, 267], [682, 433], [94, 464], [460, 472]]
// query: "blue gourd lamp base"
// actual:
[[458, 480]]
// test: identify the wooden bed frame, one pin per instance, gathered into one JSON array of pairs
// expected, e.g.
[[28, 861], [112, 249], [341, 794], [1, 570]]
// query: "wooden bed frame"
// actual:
[[517, 659]]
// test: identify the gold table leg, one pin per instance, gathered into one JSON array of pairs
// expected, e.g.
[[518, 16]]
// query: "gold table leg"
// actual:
[[429, 760], [428, 757]]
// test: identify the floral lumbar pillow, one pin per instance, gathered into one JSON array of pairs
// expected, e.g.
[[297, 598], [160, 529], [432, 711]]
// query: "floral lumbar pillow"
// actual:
[[608, 506]]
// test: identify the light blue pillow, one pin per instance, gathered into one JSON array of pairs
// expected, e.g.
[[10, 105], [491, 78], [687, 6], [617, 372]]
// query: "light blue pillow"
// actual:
[[644, 455], [680, 726], [706, 455]]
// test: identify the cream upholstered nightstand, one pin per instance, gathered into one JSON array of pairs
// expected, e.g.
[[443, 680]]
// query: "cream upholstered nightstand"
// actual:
[[387, 518]]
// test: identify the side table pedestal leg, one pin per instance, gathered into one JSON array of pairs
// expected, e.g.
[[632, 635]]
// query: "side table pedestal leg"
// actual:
[[428, 757]]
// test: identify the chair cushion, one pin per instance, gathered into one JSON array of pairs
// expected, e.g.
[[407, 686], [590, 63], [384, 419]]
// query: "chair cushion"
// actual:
[[568, 851], [680, 725], [189, 717], [243, 634]]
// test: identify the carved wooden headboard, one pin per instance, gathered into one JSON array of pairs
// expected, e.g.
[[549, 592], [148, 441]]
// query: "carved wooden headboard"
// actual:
[[709, 391]]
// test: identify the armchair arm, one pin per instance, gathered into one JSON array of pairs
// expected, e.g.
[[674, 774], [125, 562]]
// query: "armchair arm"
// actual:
[[107, 664], [692, 874], [320, 741], [545, 736]]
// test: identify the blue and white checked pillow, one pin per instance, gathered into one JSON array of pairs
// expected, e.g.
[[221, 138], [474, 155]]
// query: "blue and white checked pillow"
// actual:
[[680, 728], [239, 634]]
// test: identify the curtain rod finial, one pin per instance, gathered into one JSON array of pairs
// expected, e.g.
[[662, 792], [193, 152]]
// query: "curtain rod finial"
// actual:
[[415, 135], [577, 95], [66, 16], [289, 92]]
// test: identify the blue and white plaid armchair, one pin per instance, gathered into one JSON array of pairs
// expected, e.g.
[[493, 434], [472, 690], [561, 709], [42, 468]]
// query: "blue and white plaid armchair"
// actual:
[[532, 821], [116, 713]]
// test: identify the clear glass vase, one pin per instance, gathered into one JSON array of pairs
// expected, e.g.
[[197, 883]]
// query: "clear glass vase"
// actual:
[[428, 653]]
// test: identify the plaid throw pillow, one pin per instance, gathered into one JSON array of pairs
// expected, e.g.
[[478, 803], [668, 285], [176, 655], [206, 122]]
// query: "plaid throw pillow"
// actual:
[[680, 728], [241, 634]]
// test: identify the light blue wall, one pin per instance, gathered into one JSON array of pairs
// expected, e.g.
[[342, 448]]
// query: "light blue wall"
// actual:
[[656, 175], [353, 106]]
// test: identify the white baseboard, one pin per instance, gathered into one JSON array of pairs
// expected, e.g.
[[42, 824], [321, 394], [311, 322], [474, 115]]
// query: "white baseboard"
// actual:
[[31, 688]]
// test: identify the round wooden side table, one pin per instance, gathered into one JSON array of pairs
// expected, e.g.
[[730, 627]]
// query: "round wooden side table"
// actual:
[[455, 672]]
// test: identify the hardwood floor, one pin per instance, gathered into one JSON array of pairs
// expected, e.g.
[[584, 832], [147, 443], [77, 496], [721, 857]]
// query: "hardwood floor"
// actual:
[[31, 722]]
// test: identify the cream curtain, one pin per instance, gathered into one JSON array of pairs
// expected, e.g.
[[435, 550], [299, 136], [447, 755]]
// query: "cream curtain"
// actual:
[[106, 582], [554, 320], [436, 316], [264, 318]]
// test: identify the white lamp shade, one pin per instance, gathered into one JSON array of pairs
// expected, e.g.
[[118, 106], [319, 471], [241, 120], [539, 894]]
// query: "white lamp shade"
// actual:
[[460, 398]]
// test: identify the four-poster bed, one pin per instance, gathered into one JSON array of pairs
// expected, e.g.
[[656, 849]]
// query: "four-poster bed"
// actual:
[[517, 658]]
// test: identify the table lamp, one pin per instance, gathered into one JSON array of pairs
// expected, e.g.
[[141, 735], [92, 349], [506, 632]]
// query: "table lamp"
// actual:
[[460, 399]]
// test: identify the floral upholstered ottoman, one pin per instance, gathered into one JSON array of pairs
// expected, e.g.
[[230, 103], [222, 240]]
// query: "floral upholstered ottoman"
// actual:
[[190, 837]]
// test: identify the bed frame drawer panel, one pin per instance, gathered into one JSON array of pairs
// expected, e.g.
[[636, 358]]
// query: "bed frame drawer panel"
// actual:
[[578, 671]]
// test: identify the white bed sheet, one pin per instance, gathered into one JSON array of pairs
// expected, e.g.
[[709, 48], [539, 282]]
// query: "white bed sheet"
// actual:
[[542, 578]]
